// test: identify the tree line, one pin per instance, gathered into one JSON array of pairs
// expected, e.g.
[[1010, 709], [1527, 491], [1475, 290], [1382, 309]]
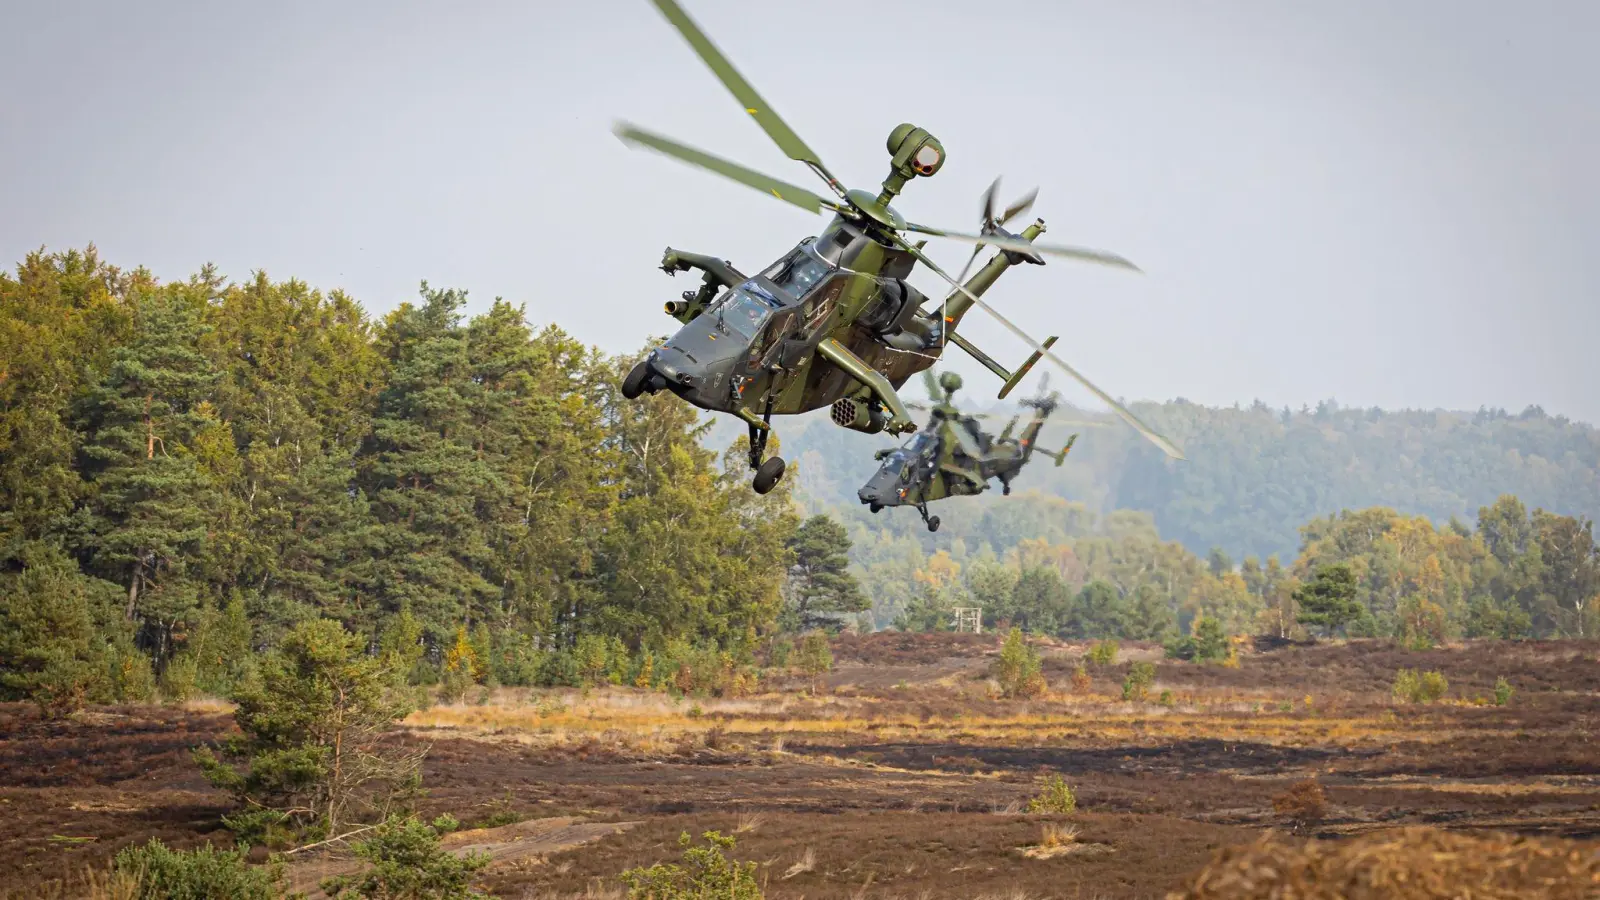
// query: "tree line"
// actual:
[[1254, 475], [1055, 567], [189, 469]]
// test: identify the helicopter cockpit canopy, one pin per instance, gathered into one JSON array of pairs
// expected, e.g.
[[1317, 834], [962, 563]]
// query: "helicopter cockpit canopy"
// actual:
[[798, 272], [744, 309]]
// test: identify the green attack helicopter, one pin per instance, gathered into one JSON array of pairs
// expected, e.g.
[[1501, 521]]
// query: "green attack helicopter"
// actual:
[[832, 322], [954, 457]]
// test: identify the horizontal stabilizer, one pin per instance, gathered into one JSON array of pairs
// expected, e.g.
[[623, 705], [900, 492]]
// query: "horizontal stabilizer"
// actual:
[[1025, 368]]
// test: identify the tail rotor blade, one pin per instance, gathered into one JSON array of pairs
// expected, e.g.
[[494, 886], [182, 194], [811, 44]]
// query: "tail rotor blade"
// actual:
[[1019, 207]]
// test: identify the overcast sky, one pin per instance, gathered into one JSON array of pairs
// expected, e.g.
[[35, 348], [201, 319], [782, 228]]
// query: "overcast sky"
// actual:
[[1387, 203]]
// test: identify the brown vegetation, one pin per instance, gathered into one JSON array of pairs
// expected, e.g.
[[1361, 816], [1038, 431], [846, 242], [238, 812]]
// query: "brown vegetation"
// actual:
[[1404, 864], [918, 786]]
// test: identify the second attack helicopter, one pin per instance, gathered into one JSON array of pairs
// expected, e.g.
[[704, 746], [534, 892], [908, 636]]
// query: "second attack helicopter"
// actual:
[[954, 457], [834, 321]]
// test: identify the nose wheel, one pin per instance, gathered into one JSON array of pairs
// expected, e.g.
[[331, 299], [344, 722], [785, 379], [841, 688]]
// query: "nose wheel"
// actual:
[[768, 472]]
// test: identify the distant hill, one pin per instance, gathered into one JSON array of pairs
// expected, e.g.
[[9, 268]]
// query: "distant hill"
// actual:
[[1254, 475]]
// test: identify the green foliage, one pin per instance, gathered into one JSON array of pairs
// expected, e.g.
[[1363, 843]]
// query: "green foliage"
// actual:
[[1502, 691], [1136, 686], [50, 650], [406, 862], [1104, 653], [1208, 643], [310, 727], [705, 873], [1411, 686], [815, 655], [1056, 798], [1329, 598], [1018, 668], [821, 591], [203, 874]]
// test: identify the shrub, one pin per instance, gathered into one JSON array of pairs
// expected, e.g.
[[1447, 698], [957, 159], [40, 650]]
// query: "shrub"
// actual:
[[815, 657], [1167, 700], [1302, 804], [1426, 687], [1502, 691], [1018, 669], [203, 874], [1104, 653], [1081, 682], [407, 862], [1055, 798], [778, 654], [705, 873], [311, 728], [1137, 685], [1208, 643]]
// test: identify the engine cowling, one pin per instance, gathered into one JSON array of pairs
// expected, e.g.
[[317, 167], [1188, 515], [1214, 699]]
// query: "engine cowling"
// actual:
[[858, 415], [895, 304]]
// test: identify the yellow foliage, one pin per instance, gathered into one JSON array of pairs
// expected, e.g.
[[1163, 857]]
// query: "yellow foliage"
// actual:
[[461, 656]]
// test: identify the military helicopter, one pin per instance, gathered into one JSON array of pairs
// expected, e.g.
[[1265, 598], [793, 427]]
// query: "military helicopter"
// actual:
[[832, 322], [954, 457]]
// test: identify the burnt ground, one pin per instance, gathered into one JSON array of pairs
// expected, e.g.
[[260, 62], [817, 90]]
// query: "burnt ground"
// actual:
[[930, 807]]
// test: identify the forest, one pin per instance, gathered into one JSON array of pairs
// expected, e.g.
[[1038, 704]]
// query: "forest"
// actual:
[[189, 469]]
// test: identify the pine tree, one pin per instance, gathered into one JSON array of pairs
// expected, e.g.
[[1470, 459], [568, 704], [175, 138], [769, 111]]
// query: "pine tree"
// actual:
[[821, 588], [1329, 598], [428, 485], [51, 651], [146, 523]]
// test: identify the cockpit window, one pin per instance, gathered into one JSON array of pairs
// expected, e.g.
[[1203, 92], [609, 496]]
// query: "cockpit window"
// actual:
[[921, 443], [742, 312], [800, 273]]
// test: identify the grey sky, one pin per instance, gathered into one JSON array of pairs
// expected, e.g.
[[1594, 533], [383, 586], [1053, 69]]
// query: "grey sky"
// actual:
[[1389, 203]]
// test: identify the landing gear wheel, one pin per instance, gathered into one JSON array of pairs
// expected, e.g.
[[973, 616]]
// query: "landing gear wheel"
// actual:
[[769, 474], [874, 507], [1005, 490], [633, 384], [933, 523]]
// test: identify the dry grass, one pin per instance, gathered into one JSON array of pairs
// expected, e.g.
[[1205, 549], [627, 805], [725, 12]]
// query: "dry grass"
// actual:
[[806, 862], [1404, 864]]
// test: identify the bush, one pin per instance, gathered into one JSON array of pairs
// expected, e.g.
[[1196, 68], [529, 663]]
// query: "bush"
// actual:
[[705, 873], [1137, 685], [1302, 804], [204, 874], [1412, 687], [1104, 653], [1055, 798], [1502, 691], [1081, 682], [815, 656], [407, 862], [1208, 643], [312, 728], [1018, 669]]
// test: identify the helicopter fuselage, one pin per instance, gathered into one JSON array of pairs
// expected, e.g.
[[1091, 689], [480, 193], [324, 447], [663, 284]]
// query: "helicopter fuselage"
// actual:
[[832, 322]]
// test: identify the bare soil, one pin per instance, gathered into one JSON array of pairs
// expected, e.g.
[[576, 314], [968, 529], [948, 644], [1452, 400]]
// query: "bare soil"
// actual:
[[903, 777]]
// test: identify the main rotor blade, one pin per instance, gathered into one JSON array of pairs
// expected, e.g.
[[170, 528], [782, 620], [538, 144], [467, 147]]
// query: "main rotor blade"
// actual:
[[777, 129], [964, 440], [784, 191], [1018, 244], [1127, 415]]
